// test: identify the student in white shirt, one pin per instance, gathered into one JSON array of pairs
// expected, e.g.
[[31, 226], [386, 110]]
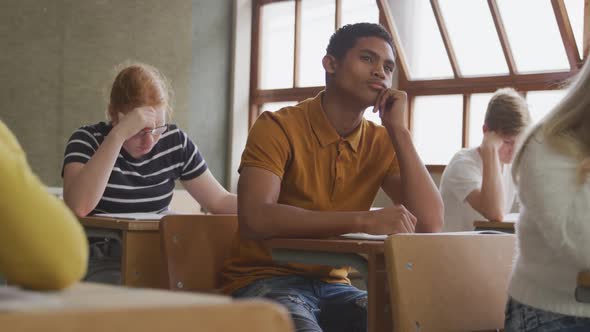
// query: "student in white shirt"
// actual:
[[477, 183], [552, 172]]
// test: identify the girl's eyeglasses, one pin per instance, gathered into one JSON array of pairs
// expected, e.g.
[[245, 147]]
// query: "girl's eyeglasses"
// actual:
[[153, 131]]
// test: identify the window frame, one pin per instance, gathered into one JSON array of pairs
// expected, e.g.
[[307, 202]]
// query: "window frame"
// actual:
[[423, 87]]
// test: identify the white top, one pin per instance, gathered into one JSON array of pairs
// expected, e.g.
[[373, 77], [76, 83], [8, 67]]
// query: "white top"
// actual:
[[462, 176], [553, 232]]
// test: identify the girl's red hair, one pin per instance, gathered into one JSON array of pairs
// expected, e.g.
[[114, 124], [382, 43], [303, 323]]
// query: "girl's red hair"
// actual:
[[138, 85]]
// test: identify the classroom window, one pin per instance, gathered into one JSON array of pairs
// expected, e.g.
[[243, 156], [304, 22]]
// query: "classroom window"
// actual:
[[575, 12], [317, 25], [478, 104], [542, 102], [277, 45], [354, 11], [421, 40], [273, 107], [449, 62], [534, 39], [477, 53], [436, 125]]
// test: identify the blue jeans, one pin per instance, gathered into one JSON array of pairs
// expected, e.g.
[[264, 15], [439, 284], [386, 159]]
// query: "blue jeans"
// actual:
[[521, 317], [313, 304]]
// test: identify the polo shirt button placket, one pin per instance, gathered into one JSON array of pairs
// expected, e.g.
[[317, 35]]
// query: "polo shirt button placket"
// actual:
[[339, 167], [338, 177]]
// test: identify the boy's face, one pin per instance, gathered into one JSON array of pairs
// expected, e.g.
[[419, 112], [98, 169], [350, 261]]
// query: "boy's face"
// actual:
[[506, 150], [364, 70]]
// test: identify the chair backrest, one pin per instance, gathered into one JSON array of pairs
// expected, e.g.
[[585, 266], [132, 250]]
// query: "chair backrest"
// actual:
[[449, 282], [194, 248]]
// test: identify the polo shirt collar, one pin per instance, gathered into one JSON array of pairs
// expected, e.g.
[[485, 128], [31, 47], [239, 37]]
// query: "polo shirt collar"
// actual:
[[323, 129]]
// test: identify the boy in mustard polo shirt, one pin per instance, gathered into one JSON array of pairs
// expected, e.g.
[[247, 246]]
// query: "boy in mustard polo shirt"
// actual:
[[313, 170]]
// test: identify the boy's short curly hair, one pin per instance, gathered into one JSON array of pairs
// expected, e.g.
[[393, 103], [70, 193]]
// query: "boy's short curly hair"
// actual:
[[345, 38]]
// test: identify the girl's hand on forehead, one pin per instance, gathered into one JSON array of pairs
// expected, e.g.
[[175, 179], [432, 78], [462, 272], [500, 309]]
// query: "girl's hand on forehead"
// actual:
[[135, 121], [159, 114]]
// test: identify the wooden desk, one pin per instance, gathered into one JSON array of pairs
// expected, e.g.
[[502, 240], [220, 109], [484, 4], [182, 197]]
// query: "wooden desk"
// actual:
[[500, 226], [92, 307], [142, 264], [378, 300]]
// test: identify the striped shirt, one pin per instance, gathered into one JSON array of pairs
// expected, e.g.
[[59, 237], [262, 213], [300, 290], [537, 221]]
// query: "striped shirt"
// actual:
[[144, 184]]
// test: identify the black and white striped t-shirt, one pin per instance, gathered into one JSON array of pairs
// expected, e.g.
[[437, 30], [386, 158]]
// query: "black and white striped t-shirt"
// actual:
[[139, 185]]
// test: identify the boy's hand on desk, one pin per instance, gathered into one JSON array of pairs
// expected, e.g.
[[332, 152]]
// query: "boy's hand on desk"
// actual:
[[392, 220]]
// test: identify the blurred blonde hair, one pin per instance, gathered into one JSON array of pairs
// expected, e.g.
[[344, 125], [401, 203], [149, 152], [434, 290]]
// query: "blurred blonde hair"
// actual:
[[567, 127], [507, 112]]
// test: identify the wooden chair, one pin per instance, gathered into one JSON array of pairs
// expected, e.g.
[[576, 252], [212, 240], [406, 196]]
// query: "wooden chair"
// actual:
[[449, 282], [194, 248]]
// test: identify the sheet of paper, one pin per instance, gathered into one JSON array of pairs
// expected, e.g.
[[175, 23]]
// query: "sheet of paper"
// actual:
[[364, 236], [370, 237], [132, 216], [488, 232]]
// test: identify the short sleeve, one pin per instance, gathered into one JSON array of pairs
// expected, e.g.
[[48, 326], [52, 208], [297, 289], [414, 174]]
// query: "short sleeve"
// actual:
[[268, 146], [80, 147], [193, 164], [462, 177]]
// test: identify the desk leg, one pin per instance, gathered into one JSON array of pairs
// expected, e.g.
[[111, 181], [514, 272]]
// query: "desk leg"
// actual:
[[379, 318], [142, 264]]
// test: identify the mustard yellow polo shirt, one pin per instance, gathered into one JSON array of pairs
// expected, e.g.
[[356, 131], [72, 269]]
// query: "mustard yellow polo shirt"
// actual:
[[42, 244], [319, 171]]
